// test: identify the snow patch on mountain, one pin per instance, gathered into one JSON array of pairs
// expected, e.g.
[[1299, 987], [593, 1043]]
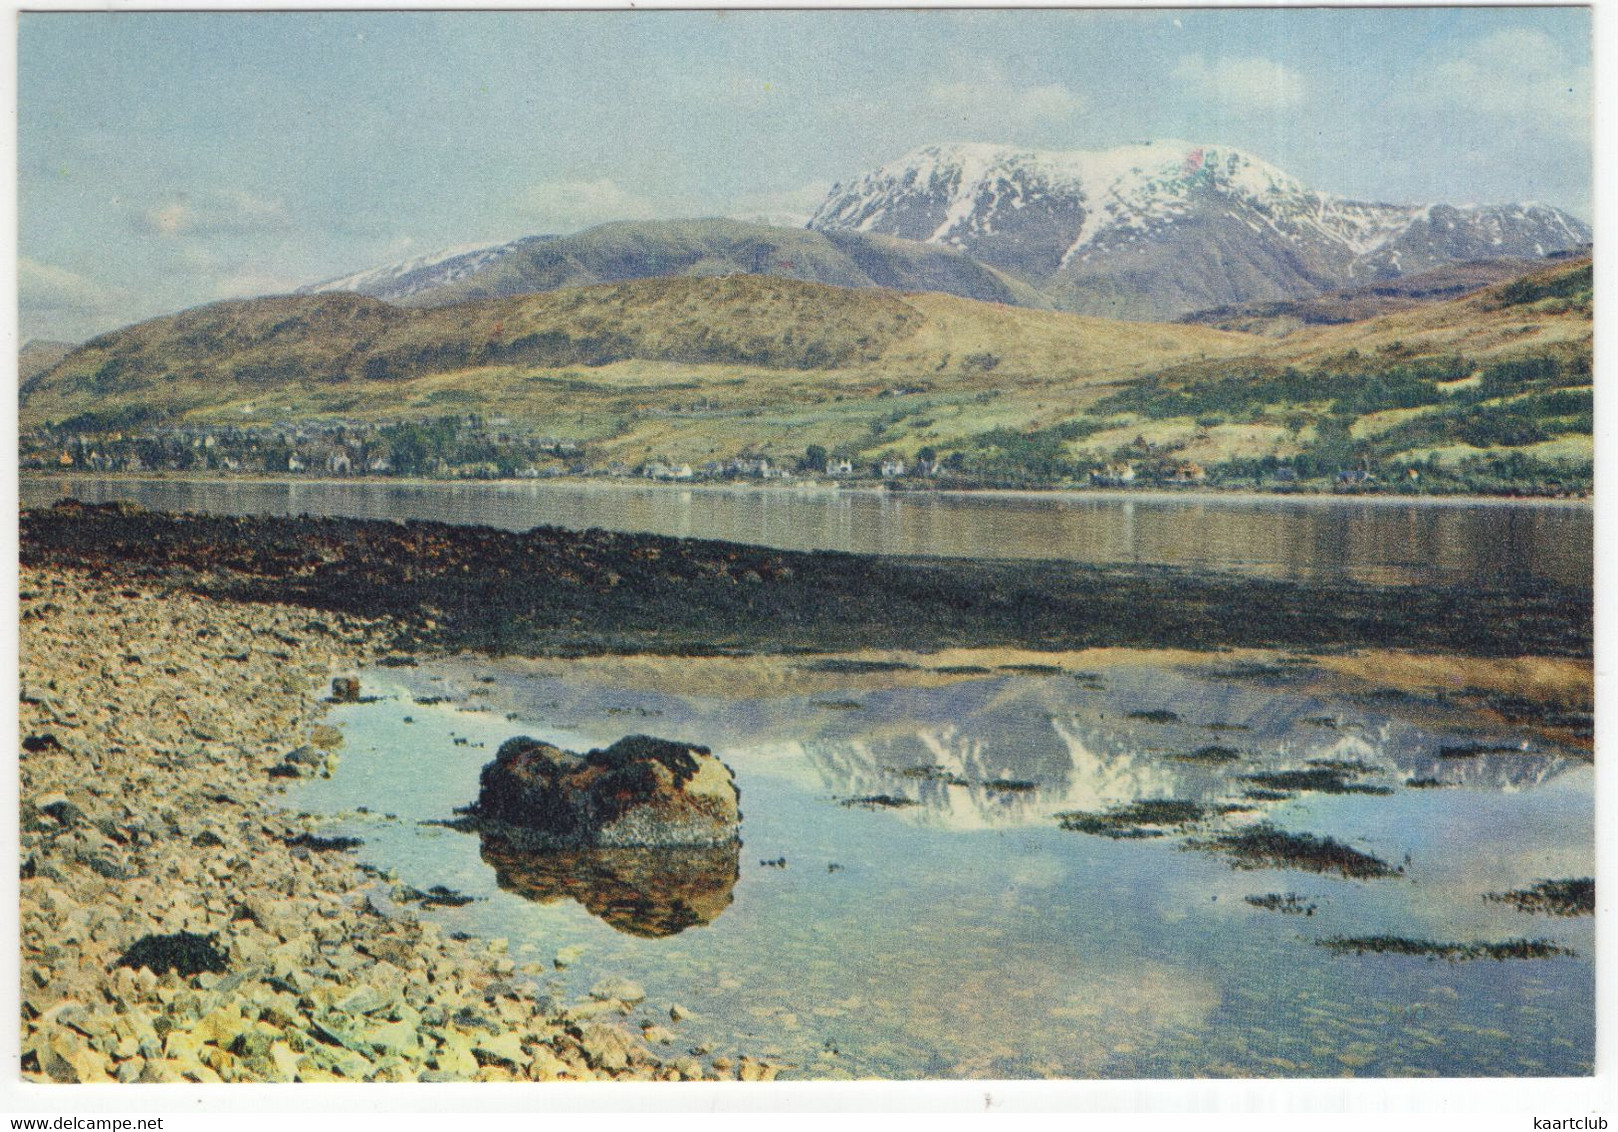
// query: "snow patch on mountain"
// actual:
[[419, 273], [1047, 213]]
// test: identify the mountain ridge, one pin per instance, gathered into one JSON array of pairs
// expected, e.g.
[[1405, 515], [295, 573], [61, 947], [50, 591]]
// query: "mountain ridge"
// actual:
[[1163, 228], [623, 251]]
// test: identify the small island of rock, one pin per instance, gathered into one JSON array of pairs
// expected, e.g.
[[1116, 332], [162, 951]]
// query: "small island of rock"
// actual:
[[640, 792]]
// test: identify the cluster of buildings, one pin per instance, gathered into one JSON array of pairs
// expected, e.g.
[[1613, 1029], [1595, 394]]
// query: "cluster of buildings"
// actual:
[[1124, 475], [452, 447], [762, 468]]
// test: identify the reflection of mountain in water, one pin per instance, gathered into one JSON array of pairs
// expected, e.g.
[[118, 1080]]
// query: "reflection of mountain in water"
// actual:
[[644, 892], [1085, 749], [1004, 749]]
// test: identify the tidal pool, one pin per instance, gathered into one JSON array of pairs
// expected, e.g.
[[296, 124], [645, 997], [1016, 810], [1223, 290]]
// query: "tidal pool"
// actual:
[[907, 904]]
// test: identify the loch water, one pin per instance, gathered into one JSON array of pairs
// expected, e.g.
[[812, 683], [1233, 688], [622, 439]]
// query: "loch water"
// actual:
[[1375, 540], [964, 932]]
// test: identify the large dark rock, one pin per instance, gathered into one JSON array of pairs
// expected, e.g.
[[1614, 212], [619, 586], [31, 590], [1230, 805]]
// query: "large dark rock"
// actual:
[[638, 793]]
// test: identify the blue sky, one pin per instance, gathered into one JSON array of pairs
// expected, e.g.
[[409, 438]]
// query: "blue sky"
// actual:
[[170, 160]]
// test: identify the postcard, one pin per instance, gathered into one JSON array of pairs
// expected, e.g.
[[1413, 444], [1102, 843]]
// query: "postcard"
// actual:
[[803, 546]]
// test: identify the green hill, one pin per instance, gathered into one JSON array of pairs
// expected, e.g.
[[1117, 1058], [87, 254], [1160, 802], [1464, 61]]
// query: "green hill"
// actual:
[[744, 347], [1490, 389]]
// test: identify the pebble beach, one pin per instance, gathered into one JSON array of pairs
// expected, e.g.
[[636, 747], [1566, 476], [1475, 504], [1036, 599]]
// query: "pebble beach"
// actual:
[[156, 728]]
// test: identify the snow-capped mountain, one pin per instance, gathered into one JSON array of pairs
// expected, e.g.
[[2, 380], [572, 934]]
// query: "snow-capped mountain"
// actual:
[[1158, 229]]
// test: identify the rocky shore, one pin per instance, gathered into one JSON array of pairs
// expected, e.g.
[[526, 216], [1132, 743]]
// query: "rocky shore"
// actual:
[[553, 592], [173, 673], [155, 730]]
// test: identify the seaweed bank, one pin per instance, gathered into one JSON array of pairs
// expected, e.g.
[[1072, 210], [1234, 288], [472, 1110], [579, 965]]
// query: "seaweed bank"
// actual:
[[556, 592]]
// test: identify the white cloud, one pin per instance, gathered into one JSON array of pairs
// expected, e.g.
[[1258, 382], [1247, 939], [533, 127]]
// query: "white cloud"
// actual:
[[788, 208], [251, 280], [1250, 83], [996, 96], [1517, 76], [46, 287], [56, 303], [567, 206], [980, 100], [226, 212]]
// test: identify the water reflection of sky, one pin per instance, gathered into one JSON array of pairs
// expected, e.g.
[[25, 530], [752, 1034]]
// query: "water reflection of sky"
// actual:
[[967, 935]]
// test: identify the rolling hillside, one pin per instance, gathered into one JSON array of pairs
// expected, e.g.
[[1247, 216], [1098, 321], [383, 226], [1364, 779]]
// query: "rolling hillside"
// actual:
[[1500, 379], [38, 355], [1368, 300], [689, 369], [686, 363]]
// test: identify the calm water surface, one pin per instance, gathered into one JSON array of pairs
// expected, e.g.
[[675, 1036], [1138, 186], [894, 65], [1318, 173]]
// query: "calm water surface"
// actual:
[[1380, 541], [968, 934]]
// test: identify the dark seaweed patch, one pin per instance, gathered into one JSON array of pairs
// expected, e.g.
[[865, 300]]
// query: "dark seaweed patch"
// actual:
[[1328, 721], [858, 667], [1288, 904], [1154, 716], [324, 844], [1316, 780], [438, 896], [1575, 897], [931, 774], [1454, 952], [1010, 785], [1425, 783], [1266, 795], [1149, 817], [1033, 669], [1266, 846], [1473, 750], [963, 670], [880, 802], [1344, 766], [838, 705], [1211, 755], [185, 953], [1388, 696]]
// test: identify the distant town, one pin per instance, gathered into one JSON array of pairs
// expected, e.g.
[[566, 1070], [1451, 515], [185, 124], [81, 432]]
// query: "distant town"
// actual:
[[472, 447]]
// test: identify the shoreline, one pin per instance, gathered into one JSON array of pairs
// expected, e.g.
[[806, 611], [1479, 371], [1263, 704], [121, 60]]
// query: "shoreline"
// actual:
[[562, 592], [150, 723], [173, 667], [1234, 495]]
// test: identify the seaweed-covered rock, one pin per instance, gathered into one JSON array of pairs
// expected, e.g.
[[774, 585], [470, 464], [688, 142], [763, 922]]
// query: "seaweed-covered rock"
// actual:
[[185, 952], [639, 792]]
